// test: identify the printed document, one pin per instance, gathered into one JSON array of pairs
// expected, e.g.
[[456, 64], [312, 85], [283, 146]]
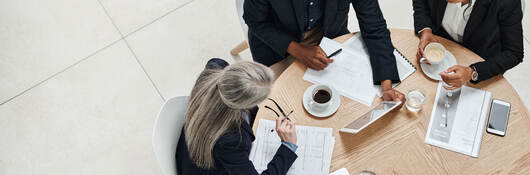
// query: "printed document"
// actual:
[[458, 119], [315, 148], [351, 72]]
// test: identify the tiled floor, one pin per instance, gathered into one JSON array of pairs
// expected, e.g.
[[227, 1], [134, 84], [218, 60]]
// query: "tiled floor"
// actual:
[[82, 81]]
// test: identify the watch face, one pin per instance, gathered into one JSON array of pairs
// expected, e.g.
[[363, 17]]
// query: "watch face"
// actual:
[[474, 76]]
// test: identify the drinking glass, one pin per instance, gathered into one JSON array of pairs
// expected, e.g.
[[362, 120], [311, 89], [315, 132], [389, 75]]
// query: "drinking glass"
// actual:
[[415, 100]]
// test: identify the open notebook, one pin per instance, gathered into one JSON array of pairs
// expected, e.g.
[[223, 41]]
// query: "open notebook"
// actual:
[[350, 73]]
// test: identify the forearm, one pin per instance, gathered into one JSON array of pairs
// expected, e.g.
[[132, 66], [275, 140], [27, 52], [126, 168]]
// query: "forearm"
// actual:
[[258, 17], [496, 65], [377, 39]]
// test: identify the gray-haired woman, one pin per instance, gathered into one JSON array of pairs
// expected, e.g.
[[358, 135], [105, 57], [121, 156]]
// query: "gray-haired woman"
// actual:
[[217, 136]]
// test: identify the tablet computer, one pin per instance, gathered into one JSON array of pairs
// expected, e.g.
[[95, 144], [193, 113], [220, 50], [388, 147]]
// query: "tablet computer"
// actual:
[[370, 117]]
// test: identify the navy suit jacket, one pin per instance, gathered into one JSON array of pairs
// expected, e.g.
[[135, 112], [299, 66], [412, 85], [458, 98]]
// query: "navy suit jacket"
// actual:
[[231, 156], [273, 24]]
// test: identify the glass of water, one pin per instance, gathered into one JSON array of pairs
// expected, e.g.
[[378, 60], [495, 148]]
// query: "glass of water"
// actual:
[[415, 100]]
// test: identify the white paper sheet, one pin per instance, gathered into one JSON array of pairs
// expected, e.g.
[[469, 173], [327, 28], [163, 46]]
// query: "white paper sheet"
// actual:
[[466, 120], [342, 171], [351, 72], [315, 148], [405, 69]]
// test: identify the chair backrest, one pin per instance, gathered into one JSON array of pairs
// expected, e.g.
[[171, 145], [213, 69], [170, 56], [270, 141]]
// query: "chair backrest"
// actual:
[[166, 133], [239, 8]]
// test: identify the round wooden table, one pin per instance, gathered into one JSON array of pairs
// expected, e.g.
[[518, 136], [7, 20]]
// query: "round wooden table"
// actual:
[[395, 143]]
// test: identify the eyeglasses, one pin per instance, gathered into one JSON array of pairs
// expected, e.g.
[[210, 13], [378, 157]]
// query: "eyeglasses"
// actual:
[[280, 109]]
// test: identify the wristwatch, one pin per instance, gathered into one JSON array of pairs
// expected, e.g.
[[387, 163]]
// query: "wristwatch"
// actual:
[[474, 75]]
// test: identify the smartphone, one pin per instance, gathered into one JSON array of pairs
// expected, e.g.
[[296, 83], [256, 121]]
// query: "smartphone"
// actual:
[[498, 121]]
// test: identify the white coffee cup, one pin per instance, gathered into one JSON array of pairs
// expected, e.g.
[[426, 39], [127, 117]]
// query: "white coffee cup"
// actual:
[[321, 97], [435, 53]]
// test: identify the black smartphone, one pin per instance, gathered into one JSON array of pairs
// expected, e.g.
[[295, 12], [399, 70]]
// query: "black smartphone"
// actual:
[[498, 120]]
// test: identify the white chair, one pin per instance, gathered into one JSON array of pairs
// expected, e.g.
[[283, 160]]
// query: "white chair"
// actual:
[[243, 45], [166, 133]]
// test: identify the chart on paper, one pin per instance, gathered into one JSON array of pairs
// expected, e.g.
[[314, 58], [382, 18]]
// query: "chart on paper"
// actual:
[[315, 148]]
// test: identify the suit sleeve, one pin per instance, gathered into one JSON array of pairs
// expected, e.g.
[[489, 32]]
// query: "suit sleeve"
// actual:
[[511, 33], [258, 17], [422, 15], [234, 159], [377, 39]]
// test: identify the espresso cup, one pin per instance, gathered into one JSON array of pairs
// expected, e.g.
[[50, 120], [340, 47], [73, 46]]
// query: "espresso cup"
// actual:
[[435, 53], [321, 97]]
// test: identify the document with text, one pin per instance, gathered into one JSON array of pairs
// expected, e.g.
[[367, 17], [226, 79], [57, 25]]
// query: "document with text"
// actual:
[[458, 119], [315, 148]]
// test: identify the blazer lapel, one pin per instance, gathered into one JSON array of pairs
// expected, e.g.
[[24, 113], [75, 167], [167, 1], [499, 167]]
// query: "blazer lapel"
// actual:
[[477, 15], [299, 6]]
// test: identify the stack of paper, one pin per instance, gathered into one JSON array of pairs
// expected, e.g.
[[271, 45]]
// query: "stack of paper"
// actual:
[[458, 120], [351, 73], [315, 148]]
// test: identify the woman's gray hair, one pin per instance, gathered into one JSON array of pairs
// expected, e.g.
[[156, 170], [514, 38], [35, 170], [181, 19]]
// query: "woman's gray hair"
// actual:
[[217, 102]]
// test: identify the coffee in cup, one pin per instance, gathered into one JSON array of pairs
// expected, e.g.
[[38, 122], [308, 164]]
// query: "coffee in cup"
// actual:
[[321, 97], [435, 53]]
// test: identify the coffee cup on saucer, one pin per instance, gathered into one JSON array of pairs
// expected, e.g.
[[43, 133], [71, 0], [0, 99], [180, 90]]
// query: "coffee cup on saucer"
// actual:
[[434, 53], [439, 60], [321, 100], [321, 97]]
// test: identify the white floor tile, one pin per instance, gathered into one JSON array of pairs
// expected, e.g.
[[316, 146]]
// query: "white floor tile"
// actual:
[[40, 38], [518, 77], [175, 49], [130, 15], [95, 118]]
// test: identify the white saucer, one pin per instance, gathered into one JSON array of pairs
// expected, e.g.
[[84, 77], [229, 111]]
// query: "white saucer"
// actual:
[[335, 103], [434, 72]]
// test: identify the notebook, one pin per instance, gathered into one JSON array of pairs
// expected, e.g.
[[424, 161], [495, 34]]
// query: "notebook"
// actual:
[[458, 119]]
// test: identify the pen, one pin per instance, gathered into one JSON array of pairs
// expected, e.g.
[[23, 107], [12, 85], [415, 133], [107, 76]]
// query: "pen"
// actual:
[[335, 53]]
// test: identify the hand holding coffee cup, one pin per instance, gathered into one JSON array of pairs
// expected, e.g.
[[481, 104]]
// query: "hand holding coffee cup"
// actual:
[[426, 37], [321, 97], [434, 54], [455, 77]]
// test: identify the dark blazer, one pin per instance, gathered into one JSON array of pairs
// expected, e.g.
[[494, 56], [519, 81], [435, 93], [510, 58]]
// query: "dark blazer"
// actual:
[[494, 31], [231, 156], [273, 24]]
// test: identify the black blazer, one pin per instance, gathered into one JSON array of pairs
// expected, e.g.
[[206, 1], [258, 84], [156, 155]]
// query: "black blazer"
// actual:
[[231, 156], [494, 31], [273, 24]]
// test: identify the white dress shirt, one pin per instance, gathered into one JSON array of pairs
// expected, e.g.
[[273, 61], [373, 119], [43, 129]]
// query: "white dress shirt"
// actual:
[[455, 19]]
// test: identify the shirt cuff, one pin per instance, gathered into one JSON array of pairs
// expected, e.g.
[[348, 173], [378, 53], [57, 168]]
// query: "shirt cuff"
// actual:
[[291, 146], [419, 32]]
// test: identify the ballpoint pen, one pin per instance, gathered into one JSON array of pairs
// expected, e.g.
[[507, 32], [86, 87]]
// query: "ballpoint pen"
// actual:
[[335, 53]]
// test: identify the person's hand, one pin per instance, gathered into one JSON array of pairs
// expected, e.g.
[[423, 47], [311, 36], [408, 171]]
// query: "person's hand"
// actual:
[[390, 94], [426, 37], [311, 56], [286, 130], [456, 76]]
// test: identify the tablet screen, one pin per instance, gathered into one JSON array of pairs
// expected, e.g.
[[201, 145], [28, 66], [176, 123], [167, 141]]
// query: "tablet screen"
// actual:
[[371, 116]]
